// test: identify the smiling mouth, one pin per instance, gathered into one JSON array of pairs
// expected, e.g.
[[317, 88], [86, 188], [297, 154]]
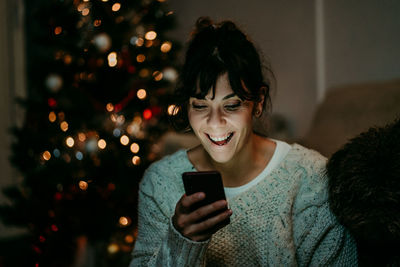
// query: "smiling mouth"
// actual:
[[220, 141]]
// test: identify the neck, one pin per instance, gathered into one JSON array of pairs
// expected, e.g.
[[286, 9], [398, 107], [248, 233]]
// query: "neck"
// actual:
[[247, 164]]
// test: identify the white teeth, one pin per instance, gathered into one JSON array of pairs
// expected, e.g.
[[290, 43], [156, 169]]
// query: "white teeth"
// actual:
[[219, 139]]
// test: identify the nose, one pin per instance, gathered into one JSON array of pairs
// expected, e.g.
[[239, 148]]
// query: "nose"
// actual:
[[216, 118]]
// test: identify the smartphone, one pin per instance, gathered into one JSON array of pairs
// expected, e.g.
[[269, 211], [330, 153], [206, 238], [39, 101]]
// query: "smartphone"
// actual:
[[209, 182]]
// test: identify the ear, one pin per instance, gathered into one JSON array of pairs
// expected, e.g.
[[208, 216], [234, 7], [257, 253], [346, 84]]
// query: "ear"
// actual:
[[259, 106]]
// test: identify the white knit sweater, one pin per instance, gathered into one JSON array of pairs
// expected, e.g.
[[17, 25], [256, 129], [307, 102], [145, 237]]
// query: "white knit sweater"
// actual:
[[282, 221]]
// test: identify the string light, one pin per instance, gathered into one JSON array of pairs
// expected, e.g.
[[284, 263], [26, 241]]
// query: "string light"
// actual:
[[64, 126], [112, 59], [57, 30], [136, 160], [46, 155], [135, 148], [117, 132], [147, 114], [157, 75], [70, 141], [56, 153], [150, 35], [97, 22], [52, 116], [172, 110], [110, 107], [83, 185], [79, 155], [140, 58], [139, 42], [141, 94], [101, 144], [129, 239], [124, 140], [85, 12], [116, 7], [113, 248], [124, 221], [144, 73], [81, 137], [166, 47]]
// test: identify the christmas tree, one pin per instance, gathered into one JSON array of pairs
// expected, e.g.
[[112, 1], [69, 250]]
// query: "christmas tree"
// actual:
[[99, 75]]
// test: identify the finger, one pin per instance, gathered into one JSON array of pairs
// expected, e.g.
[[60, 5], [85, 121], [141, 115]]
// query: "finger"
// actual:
[[204, 230], [204, 211], [215, 223], [188, 201]]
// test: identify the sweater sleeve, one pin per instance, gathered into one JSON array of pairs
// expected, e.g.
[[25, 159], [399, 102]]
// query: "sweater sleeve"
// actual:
[[158, 243]]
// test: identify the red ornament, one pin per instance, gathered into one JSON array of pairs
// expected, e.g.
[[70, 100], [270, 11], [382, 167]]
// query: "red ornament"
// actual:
[[58, 196], [54, 228], [147, 114], [52, 102]]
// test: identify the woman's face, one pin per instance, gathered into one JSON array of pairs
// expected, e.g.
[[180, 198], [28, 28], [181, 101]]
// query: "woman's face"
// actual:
[[223, 124]]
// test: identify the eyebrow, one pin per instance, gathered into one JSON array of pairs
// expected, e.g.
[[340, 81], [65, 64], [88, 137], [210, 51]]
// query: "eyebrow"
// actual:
[[198, 96], [229, 96]]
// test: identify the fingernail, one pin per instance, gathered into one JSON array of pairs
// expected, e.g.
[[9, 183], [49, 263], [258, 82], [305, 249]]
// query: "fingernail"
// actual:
[[200, 195]]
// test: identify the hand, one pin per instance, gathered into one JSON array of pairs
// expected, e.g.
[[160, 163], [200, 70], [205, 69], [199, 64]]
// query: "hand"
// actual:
[[189, 222]]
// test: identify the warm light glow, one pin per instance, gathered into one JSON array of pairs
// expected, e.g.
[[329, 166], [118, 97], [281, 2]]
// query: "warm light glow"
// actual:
[[140, 58], [129, 239], [104, 0], [83, 185], [172, 110], [166, 47], [112, 248], [116, 7], [57, 30], [114, 117], [52, 116], [157, 75], [137, 119], [141, 94], [112, 59], [64, 126], [110, 107], [124, 221], [124, 140], [144, 73], [81, 7], [81, 137], [120, 119], [136, 160], [67, 59], [61, 116], [135, 148], [97, 22], [139, 42], [70, 141], [151, 35], [161, 1], [85, 12], [46, 155], [101, 144], [149, 43]]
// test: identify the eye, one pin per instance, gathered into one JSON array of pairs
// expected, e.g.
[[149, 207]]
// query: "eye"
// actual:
[[197, 106], [233, 106]]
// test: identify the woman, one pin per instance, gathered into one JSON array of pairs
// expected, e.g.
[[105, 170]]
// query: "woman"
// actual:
[[277, 192]]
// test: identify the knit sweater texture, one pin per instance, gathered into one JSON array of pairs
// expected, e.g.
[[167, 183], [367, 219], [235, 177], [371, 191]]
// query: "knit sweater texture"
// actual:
[[284, 220]]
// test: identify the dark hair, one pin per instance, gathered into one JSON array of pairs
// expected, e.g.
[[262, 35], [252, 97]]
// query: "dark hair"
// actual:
[[364, 192], [216, 49]]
